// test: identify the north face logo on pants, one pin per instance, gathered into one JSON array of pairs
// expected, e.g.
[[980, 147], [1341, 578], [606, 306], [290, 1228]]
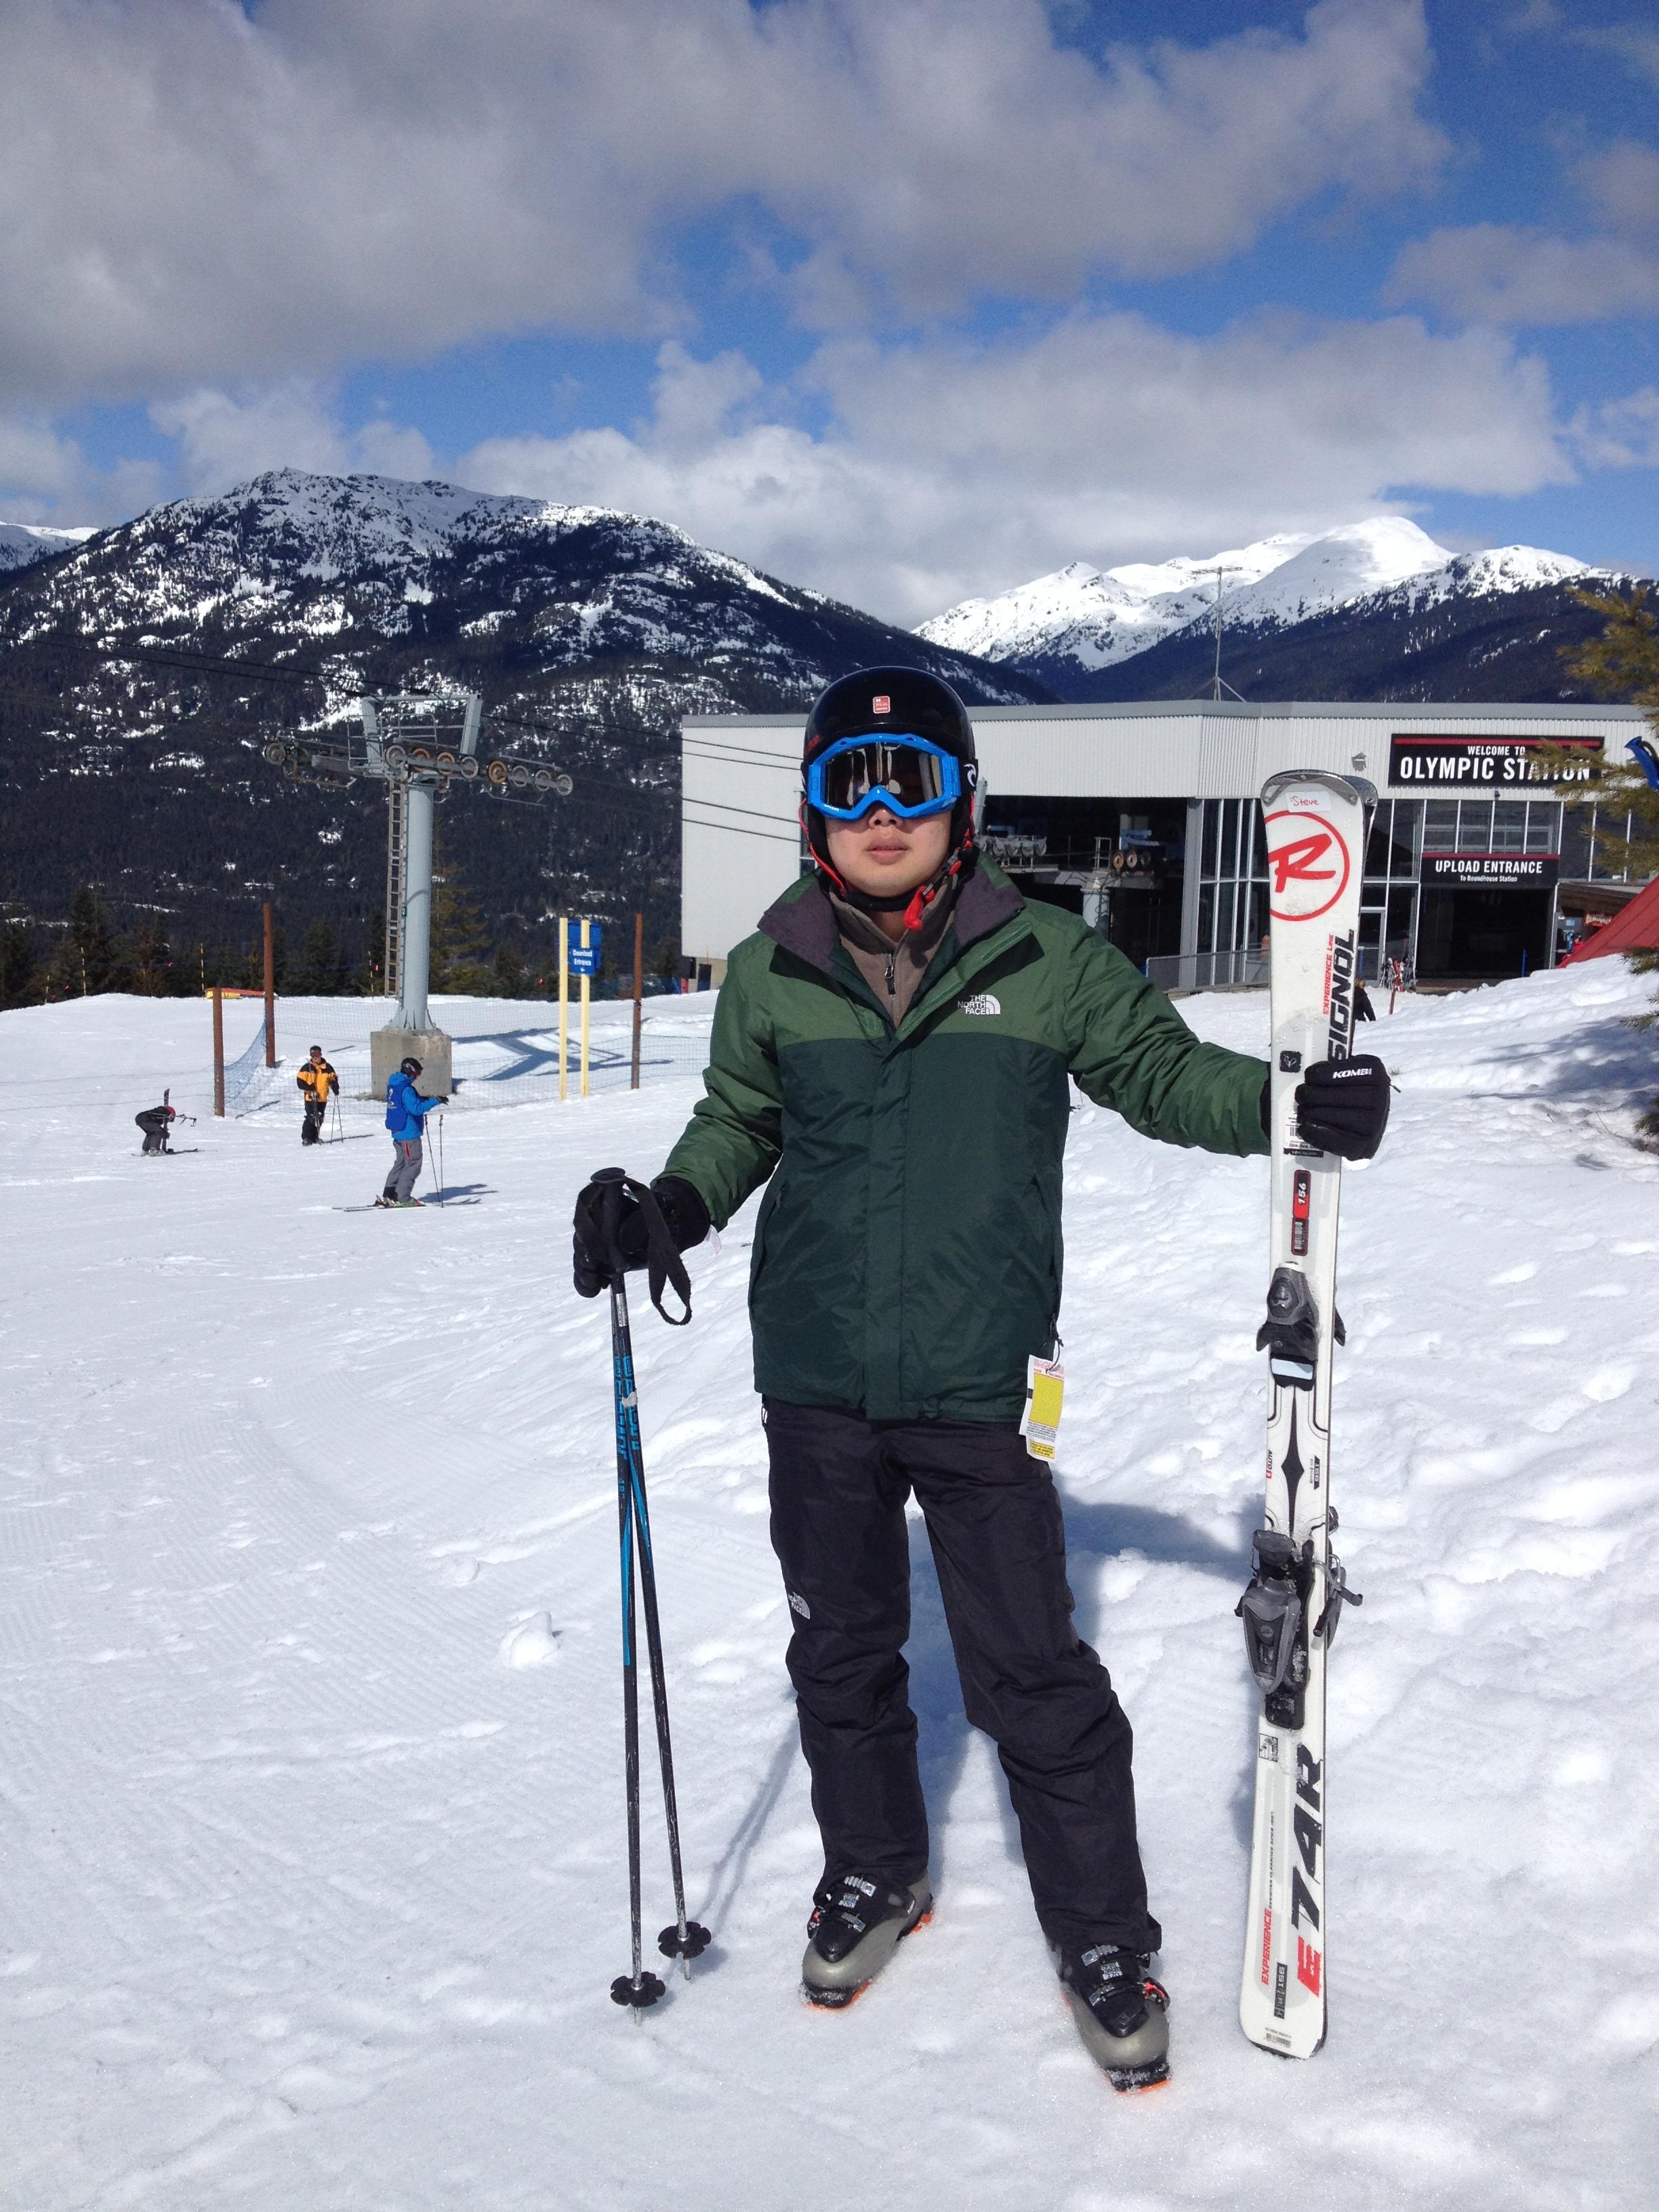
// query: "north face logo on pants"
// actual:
[[981, 1003]]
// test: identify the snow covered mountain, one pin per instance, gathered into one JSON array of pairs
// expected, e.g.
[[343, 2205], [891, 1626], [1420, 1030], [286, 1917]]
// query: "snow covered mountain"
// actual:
[[1067, 627], [21, 543], [350, 576], [599, 628]]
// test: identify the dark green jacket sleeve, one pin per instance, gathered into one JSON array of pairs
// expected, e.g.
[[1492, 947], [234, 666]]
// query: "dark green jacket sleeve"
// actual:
[[1129, 1049], [730, 1144]]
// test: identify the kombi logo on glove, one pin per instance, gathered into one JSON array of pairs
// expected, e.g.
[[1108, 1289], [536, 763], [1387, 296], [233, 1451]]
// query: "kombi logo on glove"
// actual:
[[981, 1002], [1308, 864]]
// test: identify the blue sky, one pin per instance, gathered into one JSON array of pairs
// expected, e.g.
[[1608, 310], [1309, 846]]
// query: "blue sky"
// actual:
[[903, 298]]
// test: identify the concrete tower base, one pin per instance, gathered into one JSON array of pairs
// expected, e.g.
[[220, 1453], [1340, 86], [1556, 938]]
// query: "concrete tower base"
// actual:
[[387, 1046]]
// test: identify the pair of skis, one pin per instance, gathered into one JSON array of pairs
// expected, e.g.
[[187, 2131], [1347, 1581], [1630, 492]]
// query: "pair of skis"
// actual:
[[1316, 841]]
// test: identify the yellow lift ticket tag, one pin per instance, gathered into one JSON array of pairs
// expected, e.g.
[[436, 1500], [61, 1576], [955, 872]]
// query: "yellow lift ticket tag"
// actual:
[[1045, 1389]]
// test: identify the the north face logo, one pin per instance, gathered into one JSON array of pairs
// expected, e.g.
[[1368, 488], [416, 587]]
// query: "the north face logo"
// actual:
[[981, 1003]]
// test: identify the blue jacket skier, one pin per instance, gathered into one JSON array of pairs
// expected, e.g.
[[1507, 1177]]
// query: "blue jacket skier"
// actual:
[[405, 1117]]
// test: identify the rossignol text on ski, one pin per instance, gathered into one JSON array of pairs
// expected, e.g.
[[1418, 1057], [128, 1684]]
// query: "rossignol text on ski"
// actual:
[[1315, 830]]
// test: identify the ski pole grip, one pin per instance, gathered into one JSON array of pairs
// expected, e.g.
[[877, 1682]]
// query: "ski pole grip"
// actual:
[[615, 1180]]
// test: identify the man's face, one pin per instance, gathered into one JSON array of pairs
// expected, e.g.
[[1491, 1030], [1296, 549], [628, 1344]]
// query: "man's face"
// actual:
[[885, 857], [316, 1055]]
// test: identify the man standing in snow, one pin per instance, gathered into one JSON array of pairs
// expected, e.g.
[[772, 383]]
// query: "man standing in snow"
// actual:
[[317, 1084], [405, 1117], [899, 1043]]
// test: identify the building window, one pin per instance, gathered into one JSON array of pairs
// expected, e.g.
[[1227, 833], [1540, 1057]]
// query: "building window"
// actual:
[[1402, 829], [1232, 897]]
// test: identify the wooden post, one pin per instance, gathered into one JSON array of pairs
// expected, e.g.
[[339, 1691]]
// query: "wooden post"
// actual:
[[564, 1009], [271, 990], [638, 992], [218, 1052], [586, 941]]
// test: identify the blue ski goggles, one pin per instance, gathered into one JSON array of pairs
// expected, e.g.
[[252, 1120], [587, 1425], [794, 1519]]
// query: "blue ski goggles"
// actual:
[[904, 774]]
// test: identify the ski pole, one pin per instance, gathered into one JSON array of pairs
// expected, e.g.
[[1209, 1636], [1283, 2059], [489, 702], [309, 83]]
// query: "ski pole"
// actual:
[[639, 1989], [686, 1939], [440, 1159]]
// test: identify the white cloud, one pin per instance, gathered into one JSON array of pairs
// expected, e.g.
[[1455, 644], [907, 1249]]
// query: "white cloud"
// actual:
[[45, 477], [1620, 434], [1637, 48], [950, 469], [223, 438], [1506, 274], [198, 194], [1622, 182], [1491, 272]]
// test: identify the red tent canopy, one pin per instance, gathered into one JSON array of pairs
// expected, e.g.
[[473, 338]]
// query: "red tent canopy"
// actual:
[[1634, 928]]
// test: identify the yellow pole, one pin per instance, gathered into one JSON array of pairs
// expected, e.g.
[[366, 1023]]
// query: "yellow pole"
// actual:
[[564, 1005], [584, 980]]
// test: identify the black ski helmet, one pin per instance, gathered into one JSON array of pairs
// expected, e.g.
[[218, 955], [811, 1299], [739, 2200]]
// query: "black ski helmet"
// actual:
[[875, 702], [409, 1066]]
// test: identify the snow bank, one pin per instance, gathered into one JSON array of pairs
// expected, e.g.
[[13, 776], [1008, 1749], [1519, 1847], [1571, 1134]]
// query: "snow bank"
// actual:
[[312, 1766]]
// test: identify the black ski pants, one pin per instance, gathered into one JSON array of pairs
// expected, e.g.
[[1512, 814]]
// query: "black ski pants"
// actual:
[[311, 1133], [839, 1484]]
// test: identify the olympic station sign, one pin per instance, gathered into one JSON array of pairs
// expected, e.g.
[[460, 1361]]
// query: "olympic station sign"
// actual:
[[1477, 764]]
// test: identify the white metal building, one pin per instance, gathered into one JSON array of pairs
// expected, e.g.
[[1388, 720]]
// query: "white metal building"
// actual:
[[1142, 817]]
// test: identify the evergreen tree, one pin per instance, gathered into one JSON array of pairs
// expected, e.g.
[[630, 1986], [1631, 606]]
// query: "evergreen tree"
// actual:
[[460, 948], [87, 959], [20, 969], [318, 973], [374, 966], [1622, 663], [152, 958], [510, 979]]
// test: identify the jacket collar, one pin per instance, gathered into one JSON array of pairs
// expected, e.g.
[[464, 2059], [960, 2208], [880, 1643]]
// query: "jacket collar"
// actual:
[[803, 921]]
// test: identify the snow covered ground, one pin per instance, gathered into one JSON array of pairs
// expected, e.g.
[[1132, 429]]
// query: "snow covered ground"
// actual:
[[310, 1744]]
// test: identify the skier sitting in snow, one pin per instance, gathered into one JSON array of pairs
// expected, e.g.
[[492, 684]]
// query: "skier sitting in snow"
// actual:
[[405, 1117], [156, 1122], [317, 1084], [896, 1043]]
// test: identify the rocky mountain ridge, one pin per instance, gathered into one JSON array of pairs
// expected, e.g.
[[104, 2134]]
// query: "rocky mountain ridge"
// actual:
[[589, 633], [1090, 633]]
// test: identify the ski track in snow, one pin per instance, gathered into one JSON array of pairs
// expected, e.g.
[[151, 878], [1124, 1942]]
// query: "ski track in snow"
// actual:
[[311, 1790]]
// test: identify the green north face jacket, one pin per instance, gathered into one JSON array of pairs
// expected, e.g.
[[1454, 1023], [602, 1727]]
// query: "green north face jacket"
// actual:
[[907, 1259]]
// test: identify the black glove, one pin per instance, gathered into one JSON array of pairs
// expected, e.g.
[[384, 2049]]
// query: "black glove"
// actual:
[[1342, 1106], [613, 1230]]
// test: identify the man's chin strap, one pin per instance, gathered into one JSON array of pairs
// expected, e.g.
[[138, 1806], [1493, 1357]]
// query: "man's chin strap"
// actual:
[[916, 907]]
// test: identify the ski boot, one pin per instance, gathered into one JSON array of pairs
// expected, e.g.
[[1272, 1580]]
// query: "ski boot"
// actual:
[[1121, 2014], [858, 1923]]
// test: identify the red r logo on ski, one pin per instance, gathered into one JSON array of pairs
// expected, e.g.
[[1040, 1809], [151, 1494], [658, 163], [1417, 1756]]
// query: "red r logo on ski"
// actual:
[[1298, 860], [1308, 863]]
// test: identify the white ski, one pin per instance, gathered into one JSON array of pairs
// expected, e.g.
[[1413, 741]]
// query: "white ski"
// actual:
[[1315, 839]]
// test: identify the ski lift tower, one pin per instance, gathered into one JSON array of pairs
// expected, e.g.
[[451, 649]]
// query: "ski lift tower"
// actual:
[[419, 745], [420, 740]]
